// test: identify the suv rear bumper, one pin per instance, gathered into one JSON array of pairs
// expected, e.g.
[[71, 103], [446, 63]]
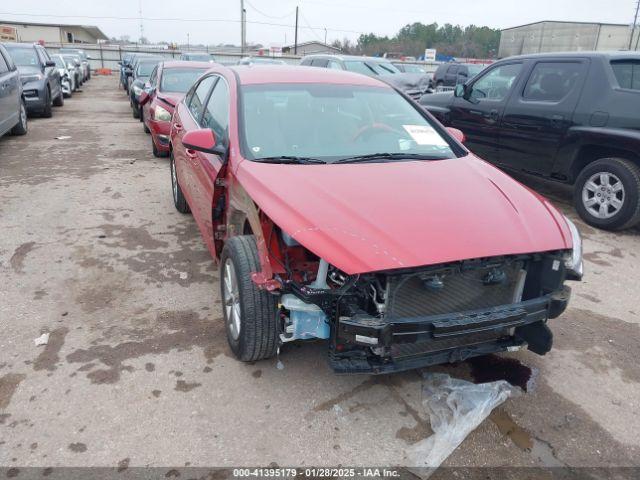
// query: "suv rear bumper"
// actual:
[[429, 340]]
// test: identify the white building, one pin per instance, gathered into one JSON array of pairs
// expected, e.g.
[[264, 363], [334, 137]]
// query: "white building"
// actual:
[[28, 32], [309, 48]]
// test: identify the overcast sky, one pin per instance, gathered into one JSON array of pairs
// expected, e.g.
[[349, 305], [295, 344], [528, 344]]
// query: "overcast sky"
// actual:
[[217, 21]]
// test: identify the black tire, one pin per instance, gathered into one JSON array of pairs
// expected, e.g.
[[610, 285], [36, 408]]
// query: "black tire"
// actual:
[[47, 112], [157, 153], [134, 111], [179, 200], [21, 126], [146, 129], [257, 338], [617, 169], [59, 100]]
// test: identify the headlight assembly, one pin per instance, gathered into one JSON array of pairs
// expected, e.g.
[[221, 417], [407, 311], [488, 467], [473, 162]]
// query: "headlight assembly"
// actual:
[[573, 259], [137, 90], [31, 78], [162, 114]]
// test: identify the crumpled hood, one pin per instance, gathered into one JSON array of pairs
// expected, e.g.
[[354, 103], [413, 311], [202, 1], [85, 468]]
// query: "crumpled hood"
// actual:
[[381, 216], [407, 81]]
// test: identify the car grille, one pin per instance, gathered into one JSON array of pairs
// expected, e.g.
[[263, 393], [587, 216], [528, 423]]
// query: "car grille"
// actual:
[[457, 289], [405, 350]]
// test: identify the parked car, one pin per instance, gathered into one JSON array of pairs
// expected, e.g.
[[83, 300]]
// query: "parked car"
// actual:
[[166, 86], [451, 74], [74, 66], [133, 65], [261, 61], [41, 82], [198, 57], [142, 72], [571, 118], [422, 76], [13, 110], [67, 78], [125, 69], [86, 66], [338, 209], [411, 84]]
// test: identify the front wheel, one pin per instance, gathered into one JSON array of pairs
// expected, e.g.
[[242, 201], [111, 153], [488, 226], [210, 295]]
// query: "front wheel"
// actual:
[[249, 313], [21, 126], [47, 111], [179, 200], [607, 193]]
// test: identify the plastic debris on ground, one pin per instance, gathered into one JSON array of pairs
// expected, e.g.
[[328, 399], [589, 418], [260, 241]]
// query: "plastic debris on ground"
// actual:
[[42, 339], [455, 408], [63, 137]]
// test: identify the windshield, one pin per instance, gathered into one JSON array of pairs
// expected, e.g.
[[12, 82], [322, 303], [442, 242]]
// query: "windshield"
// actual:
[[409, 68], [198, 57], [59, 61], [179, 79], [71, 59], [334, 122], [23, 56], [371, 68], [145, 68]]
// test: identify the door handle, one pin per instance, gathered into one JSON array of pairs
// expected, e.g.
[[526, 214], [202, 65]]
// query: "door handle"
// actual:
[[191, 154], [177, 127]]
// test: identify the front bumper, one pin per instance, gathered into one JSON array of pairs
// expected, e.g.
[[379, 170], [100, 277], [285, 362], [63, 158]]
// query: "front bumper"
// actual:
[[33, 94], [160, 133], [418, 342]]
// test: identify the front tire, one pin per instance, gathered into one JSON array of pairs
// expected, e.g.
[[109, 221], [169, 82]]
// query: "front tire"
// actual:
[[607, 194], [249, 313], [179, 200], [59, 100], [47, 112], [21, 126]]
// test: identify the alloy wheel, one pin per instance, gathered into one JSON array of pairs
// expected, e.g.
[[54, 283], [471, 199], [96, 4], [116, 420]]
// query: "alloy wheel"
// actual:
[[231, 299], [603, 195], [23, 115]]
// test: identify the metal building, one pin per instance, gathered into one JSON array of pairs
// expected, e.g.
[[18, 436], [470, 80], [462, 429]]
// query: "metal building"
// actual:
[[49, 32], [553, 36]]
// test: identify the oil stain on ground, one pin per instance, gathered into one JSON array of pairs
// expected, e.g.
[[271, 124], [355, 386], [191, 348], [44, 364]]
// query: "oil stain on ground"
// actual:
[[8, 386], [49, 357], [19, 255]]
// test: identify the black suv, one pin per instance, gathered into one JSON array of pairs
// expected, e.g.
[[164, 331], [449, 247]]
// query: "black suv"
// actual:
[[570, 117], [451, 74]]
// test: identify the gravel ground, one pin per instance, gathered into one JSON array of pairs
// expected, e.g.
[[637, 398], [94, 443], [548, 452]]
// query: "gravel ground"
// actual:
[[137, 370]]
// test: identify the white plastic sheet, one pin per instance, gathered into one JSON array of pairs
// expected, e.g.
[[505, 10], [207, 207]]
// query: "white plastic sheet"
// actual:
[[455, 408]]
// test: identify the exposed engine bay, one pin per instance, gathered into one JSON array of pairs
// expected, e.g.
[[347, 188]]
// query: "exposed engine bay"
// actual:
[[407, 318]]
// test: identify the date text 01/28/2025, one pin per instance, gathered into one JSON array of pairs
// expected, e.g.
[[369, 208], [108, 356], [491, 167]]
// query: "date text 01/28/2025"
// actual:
[[320, 472]]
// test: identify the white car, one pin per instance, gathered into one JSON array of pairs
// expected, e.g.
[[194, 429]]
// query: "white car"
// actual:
[[67, 78]]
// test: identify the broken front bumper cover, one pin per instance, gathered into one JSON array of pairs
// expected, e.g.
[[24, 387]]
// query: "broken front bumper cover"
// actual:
[[417, 342]]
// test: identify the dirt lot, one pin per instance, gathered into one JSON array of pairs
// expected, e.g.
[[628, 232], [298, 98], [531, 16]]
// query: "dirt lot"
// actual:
[[137, 369]]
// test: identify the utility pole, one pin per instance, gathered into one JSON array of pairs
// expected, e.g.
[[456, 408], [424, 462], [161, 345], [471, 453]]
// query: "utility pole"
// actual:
[[635, 21], [141, 25], [295, 43], [188, 41], [243, 28], [325, 36]]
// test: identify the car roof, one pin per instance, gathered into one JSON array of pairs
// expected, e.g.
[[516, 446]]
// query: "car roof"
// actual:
[[19, 44], [611, 55], [183, 64], [349, 57], [263, 74]]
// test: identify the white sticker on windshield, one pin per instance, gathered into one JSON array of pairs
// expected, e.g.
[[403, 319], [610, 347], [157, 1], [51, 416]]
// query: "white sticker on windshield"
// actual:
[[425, 135]]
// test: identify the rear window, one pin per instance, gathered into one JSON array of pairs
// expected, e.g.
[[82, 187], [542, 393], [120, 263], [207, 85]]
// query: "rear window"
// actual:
[[145, 69], [627, 73]]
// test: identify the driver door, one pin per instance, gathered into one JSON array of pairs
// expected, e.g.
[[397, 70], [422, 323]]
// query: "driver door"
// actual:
[[478, 114]]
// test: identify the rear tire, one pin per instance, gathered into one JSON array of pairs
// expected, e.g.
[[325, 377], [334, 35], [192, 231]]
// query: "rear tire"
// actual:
[[607, 193], [179, 200], [21, 126], [249, 312], [59, 100]]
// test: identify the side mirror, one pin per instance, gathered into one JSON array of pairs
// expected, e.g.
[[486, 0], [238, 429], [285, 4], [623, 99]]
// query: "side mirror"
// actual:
[[203, 140], [49, 63], [459, 91], [457, 134], [143, 98]]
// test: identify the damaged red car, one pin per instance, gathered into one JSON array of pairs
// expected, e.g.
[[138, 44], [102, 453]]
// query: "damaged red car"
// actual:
[[338, 209], [166, 86]]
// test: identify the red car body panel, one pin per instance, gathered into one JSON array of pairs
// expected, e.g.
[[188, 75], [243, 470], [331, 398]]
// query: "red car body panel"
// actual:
[[371, 216], [168, 101]]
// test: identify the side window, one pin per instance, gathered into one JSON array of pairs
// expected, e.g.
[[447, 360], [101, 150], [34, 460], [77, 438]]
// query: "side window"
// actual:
[[319, 62], [552, 81], [216, 115], [7, 59], [627, 73], [199, 97], [453, 70], [4, 68], [41, 55], [334, 65], [496, 83]]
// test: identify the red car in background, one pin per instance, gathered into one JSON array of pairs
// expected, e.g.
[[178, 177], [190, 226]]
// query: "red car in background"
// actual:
[[340, 210], [167, 85]]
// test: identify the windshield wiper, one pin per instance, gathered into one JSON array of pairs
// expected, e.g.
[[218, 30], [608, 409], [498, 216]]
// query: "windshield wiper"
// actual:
[[289, 159], [372, 157]]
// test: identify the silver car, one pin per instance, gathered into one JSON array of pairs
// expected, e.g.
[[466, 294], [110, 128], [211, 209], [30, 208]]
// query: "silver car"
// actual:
[[67, 79], [13, 111]]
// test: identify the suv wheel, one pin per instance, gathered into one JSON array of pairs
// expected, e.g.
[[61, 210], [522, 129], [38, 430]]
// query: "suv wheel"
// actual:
[[47, 112], [178, 198], [249, 313], [607, 193], [21, 126], [59, 100]]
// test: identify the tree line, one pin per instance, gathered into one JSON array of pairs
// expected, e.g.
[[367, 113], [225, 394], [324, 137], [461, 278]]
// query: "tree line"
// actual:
[[471, 41]]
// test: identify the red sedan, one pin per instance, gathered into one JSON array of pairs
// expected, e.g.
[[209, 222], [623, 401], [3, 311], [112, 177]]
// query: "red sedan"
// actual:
[[167, 85], [338, 209]]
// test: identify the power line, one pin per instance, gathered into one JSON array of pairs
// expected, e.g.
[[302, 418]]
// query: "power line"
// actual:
[[165, 19], [292, 12], [311, 28]]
